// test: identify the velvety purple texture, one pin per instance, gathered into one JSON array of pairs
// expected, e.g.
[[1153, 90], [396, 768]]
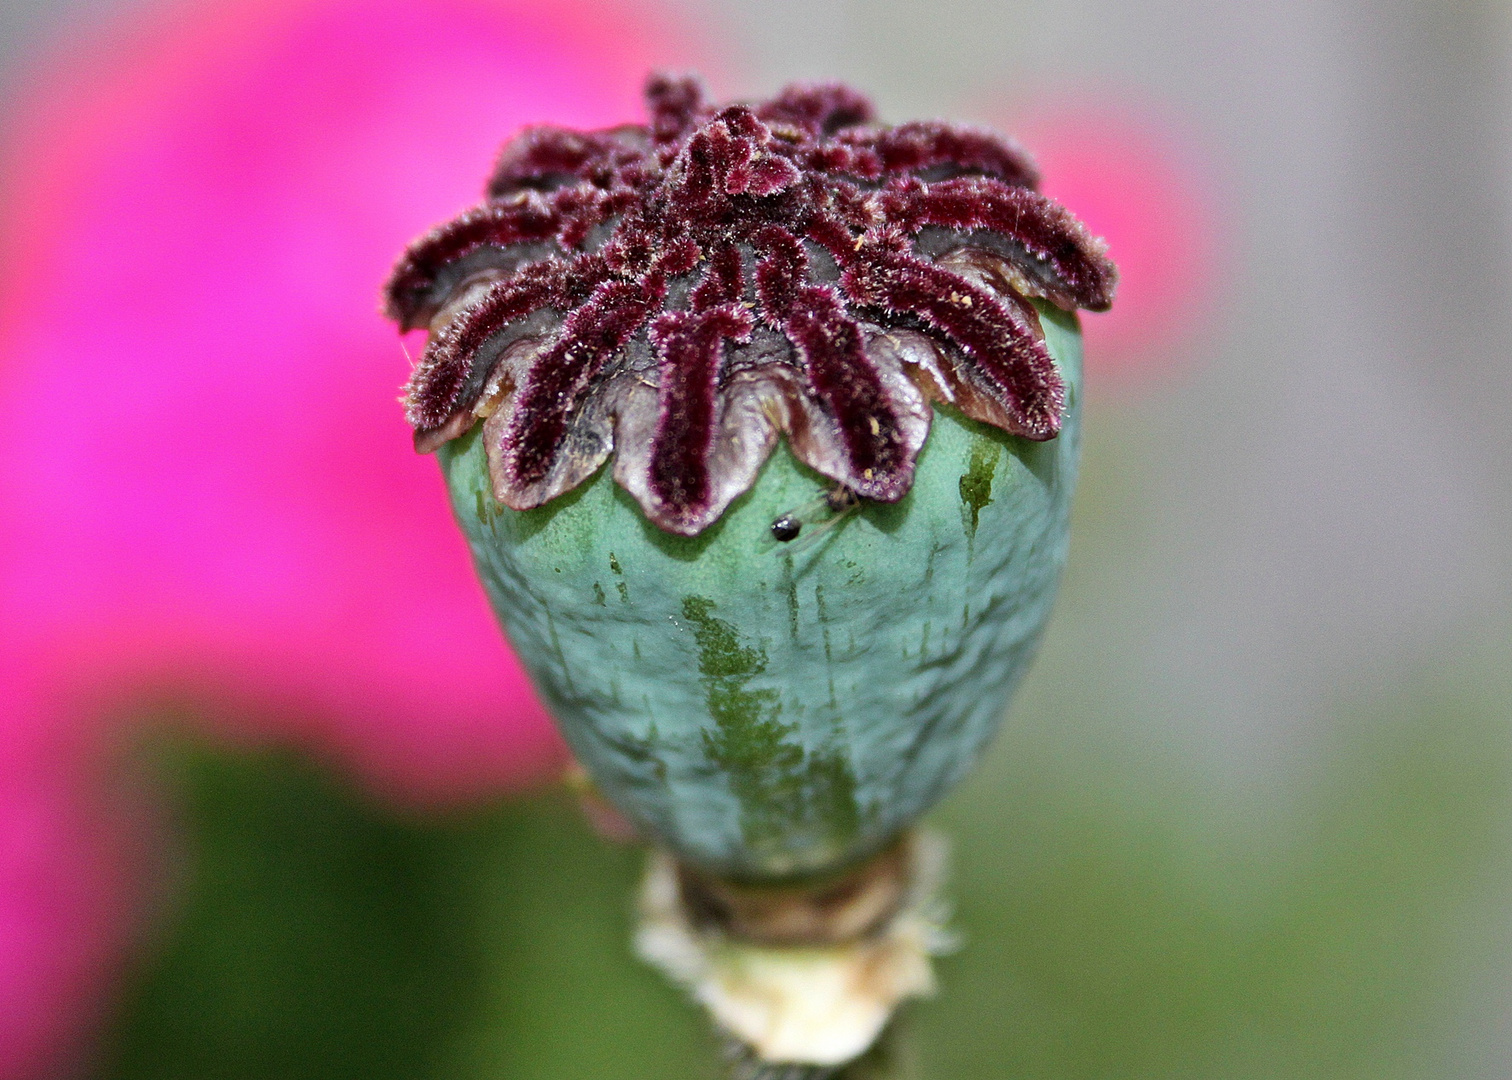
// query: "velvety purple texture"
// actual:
[[679, 293]]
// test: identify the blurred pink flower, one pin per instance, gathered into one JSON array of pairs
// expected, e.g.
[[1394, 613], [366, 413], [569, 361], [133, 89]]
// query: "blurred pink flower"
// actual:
[[66, 897], [206, 486], [1134, 176]]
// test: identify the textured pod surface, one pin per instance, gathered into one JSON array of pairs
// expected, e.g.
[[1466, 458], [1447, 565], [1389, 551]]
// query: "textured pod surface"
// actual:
[[768, 714]]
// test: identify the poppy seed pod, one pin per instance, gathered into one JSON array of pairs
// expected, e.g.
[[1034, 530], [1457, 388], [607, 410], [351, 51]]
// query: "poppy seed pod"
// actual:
[[837, 368]]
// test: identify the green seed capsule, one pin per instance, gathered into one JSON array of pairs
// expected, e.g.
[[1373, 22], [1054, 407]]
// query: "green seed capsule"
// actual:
[[767, 714], [837, 372]]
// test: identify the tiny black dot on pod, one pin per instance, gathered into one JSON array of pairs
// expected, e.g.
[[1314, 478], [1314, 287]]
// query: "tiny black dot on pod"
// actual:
[[785, 528]]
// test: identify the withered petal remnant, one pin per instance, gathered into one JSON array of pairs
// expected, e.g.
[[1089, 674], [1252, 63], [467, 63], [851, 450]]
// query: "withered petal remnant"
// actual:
[[680, 293]]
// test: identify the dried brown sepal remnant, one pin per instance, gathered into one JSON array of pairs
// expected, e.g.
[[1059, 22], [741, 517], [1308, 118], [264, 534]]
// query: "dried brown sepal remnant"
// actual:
[[680, 293]]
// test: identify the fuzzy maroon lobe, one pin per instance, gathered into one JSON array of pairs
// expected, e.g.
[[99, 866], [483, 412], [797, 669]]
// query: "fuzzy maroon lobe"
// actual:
[[641, 278]]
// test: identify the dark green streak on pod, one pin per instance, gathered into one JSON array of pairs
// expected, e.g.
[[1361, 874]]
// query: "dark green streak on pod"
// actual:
[[976, 482], [784, 793], [624, 590]]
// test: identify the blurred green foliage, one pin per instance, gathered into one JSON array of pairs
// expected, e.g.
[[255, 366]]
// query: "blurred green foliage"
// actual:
[[1114, 936], [321, 936]]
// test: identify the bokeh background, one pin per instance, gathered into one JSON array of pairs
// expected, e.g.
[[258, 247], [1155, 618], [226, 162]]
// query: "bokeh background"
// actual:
[[274, 801]]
